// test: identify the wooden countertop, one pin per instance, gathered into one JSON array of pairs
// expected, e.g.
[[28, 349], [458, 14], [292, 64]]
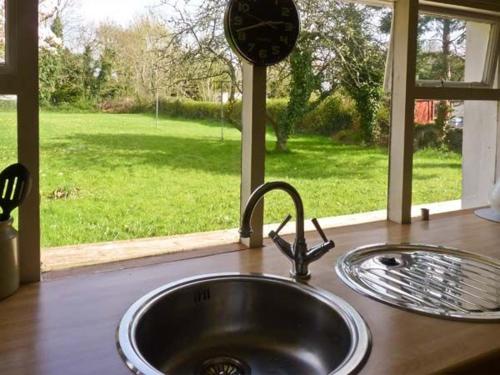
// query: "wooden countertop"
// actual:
[[67, 325]]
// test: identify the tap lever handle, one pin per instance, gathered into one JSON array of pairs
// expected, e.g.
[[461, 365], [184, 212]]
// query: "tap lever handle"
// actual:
[[285, 222], [318, 228]]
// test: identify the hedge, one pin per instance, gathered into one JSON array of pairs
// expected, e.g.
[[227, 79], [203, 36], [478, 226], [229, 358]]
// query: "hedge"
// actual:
[[332, 115], [335, 114]]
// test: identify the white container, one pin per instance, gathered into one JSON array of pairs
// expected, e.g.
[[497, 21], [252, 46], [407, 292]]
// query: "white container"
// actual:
[[9, 260]]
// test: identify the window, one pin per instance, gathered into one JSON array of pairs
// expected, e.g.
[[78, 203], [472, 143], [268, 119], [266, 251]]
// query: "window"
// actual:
[[446, 39], [443, 44], [8, 133]]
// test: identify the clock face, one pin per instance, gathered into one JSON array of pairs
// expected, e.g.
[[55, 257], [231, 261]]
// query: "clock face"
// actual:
[[262, 32]]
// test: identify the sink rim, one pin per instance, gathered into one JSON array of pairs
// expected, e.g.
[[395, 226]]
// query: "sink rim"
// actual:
[[130, 354]]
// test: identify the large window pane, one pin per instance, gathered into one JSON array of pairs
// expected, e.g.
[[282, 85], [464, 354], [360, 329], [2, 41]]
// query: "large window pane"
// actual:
[[455, 157], [437, 162], [8, 133], [443, 45]]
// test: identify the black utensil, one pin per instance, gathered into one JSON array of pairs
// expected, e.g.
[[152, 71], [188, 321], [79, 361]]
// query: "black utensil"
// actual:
[[15, 184]]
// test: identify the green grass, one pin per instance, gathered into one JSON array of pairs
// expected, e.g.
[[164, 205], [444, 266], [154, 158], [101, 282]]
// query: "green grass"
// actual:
[[109, 177]]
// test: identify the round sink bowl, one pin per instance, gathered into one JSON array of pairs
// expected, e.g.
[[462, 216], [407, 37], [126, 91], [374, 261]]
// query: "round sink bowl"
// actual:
[[232, 324]]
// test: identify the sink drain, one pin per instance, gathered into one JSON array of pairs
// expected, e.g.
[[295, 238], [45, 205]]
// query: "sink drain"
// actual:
[[224, 366]]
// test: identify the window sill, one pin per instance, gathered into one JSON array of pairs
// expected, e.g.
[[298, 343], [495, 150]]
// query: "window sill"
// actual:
[[105, 256]]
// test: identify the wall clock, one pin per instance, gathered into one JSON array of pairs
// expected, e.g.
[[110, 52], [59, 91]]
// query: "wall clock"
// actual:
[[262, 32]]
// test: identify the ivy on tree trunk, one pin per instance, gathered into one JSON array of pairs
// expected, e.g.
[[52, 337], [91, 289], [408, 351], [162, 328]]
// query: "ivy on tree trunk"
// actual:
[[303, 82]]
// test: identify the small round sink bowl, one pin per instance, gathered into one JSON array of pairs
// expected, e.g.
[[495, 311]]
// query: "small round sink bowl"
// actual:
[[232, 324]]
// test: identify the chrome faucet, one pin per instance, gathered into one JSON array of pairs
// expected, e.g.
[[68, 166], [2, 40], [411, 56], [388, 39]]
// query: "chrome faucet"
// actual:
[[298, 253]]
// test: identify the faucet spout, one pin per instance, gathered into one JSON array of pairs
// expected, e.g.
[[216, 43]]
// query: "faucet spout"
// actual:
[[258, 194], [297, 253]]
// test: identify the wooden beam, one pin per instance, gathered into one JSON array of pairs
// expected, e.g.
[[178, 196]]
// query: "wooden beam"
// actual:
[[402, 114], [253, 144], [497, 173], [461, 13], [455, 93], [28, 137], [8, 84], [478, 5]]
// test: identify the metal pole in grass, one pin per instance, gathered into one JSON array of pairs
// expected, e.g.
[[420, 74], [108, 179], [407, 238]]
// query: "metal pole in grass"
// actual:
[[222, 111], [157, 106]]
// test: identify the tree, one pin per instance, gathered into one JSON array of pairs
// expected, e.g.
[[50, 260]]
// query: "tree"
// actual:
[[302, 85], [142, 57], [59, 68], [205, 50], [335, 49], [362, 65], [444, 64], [321, 62]]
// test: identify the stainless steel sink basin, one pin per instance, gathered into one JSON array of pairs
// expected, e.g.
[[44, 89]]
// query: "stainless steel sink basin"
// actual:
[[240, 325]]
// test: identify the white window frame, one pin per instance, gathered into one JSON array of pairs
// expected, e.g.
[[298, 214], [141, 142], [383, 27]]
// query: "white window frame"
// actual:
[[21, 79], [401, 79], [432, 89]]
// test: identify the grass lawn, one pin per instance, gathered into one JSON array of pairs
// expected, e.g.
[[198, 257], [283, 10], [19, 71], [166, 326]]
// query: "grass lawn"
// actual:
[[109, 177]]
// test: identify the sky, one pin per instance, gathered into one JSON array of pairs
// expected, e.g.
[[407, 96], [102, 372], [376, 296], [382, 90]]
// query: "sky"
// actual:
[[119, 11]]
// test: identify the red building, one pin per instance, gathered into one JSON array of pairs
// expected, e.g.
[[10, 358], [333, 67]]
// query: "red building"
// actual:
[[425, 111]]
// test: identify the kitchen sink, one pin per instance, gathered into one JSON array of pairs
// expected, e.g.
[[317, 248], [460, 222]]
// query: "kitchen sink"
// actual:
[[233, 324]]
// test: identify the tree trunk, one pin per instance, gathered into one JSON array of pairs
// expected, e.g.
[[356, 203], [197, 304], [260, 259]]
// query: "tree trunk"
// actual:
[[281, 138], [444, 106], [281, 144], [446, 41]]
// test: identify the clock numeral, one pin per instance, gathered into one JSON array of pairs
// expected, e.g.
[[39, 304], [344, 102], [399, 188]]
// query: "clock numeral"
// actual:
[[243, 7], [242, 36], [275, 50], [285, 12], [237, 21], [251, 47], [263, 53], [288, 26], [284, 39]]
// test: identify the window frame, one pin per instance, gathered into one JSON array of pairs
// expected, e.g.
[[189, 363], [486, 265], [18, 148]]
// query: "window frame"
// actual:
[[22, 80], [435, 89]]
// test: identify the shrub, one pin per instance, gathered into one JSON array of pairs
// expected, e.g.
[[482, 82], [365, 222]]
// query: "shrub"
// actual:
[[382, 127], [453, 139], [349, 136], [191, 109], [426, 136], [334, 114], [125, 105], [433, 136]]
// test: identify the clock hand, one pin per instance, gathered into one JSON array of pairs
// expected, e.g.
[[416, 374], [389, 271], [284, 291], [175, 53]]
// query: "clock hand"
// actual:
[[260, 24], [272, 23], [255, 17], [261, 20]]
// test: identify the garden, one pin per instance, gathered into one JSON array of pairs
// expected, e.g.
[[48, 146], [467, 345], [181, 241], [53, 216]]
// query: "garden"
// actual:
[[121, 176], [140, 126]]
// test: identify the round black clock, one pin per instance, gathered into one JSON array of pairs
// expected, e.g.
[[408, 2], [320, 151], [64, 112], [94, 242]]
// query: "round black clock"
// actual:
[[263, 32]]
